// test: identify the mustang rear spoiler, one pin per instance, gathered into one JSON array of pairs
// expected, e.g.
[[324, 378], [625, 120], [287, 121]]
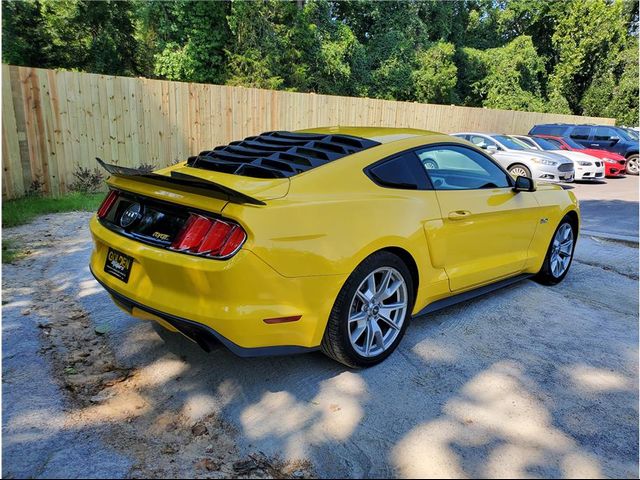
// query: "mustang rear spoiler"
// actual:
[[179, 179]]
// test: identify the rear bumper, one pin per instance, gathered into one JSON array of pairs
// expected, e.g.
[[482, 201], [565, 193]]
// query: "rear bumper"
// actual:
[[224, 300]]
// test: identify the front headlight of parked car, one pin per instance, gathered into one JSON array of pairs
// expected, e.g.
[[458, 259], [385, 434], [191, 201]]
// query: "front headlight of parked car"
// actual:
[[610, 160], [544, 161], [585, 164]]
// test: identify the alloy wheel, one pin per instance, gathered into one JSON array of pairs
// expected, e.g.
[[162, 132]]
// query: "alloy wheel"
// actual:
[[518, 172], [561, 250], [377, 312]]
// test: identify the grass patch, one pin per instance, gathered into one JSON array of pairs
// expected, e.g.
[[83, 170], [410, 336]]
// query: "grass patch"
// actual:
[[23, 210], [10, 251]]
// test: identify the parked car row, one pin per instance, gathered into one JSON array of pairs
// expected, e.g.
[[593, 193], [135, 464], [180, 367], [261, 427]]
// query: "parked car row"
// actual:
[[563, 152], [623, 142]]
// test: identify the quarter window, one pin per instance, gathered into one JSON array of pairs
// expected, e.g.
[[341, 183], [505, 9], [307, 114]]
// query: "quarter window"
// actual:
[[461, 168], [403, 171]]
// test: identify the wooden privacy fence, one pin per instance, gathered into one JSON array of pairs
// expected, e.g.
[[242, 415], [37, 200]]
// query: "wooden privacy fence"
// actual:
[[54, 121]]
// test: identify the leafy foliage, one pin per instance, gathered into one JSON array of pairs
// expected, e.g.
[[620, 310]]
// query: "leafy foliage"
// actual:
[[570, 56]]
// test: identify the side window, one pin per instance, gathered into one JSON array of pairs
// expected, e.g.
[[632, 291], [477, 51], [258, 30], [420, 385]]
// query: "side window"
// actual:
[[403, 171], [604, 133], [482, 142], [460, 168], [581, 133]]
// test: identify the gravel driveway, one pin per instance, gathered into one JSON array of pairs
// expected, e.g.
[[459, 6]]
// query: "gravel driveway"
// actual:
[[530, 381]]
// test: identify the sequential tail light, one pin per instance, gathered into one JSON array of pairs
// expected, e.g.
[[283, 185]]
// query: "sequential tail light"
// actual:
[[107, 203], [209, 237]]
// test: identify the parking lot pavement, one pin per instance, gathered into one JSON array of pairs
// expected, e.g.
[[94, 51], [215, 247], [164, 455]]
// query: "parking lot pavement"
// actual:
[[529, 381], [609, 208]]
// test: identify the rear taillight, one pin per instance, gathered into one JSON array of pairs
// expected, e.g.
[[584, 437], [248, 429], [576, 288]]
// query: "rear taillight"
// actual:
[[209, 237], [107, 203]]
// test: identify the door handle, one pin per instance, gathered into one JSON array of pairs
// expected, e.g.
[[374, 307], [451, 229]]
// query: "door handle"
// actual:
[[459, 215], [595, 144]]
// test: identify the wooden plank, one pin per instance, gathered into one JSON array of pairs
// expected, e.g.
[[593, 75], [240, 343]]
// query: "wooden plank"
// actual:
[[12, 180], [49, 143]]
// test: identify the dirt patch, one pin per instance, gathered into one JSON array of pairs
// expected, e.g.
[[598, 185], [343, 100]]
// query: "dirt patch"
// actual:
[[100, 390]]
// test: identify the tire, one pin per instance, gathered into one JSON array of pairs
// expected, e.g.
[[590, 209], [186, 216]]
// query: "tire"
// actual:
[[352, 313], [517, 167], [632, 165], [549, 274]]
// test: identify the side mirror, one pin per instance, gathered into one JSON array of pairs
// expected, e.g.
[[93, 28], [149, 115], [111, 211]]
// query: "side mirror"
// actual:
[[614, 139], [491, 148], [524, 184]]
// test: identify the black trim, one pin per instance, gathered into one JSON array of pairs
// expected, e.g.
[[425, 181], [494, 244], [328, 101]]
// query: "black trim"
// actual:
[[204, 336], [279, 154], [178, 179], [477, 292]]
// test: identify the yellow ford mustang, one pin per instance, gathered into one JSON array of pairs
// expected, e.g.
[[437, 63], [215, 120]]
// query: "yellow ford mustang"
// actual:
[[330, 238]]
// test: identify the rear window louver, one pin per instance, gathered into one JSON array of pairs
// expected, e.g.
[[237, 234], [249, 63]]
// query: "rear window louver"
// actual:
[[278, 154]]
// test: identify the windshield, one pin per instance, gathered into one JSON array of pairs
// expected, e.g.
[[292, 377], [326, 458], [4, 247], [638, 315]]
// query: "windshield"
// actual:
[[510, 143], [545, 144], [572, 143], [628, 134]]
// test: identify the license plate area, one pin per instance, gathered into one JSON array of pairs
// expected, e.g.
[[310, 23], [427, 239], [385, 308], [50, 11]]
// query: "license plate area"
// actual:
[[118, 264]]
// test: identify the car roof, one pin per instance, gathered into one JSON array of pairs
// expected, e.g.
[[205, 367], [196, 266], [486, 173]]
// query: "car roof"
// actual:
[[376, 134], [486, 134]]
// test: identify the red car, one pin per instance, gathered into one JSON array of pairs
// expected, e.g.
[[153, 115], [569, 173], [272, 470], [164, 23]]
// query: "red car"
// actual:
[[614, 164]]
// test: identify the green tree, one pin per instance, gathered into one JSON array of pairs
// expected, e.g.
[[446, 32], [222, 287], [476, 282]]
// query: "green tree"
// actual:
[[586, 36], [435, 75], [24, 37], [614, 92], [91, 36], [515, 74], [184, 40]]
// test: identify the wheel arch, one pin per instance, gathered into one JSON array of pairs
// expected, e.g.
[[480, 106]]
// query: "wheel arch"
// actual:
[[409, 261], [574, 219]]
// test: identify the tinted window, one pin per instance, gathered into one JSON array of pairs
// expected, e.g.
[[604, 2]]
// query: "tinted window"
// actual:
[[403, 171], [461, 168], [628, 134], [555, 130], [581, 133], [604, 133], [574, 144]]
